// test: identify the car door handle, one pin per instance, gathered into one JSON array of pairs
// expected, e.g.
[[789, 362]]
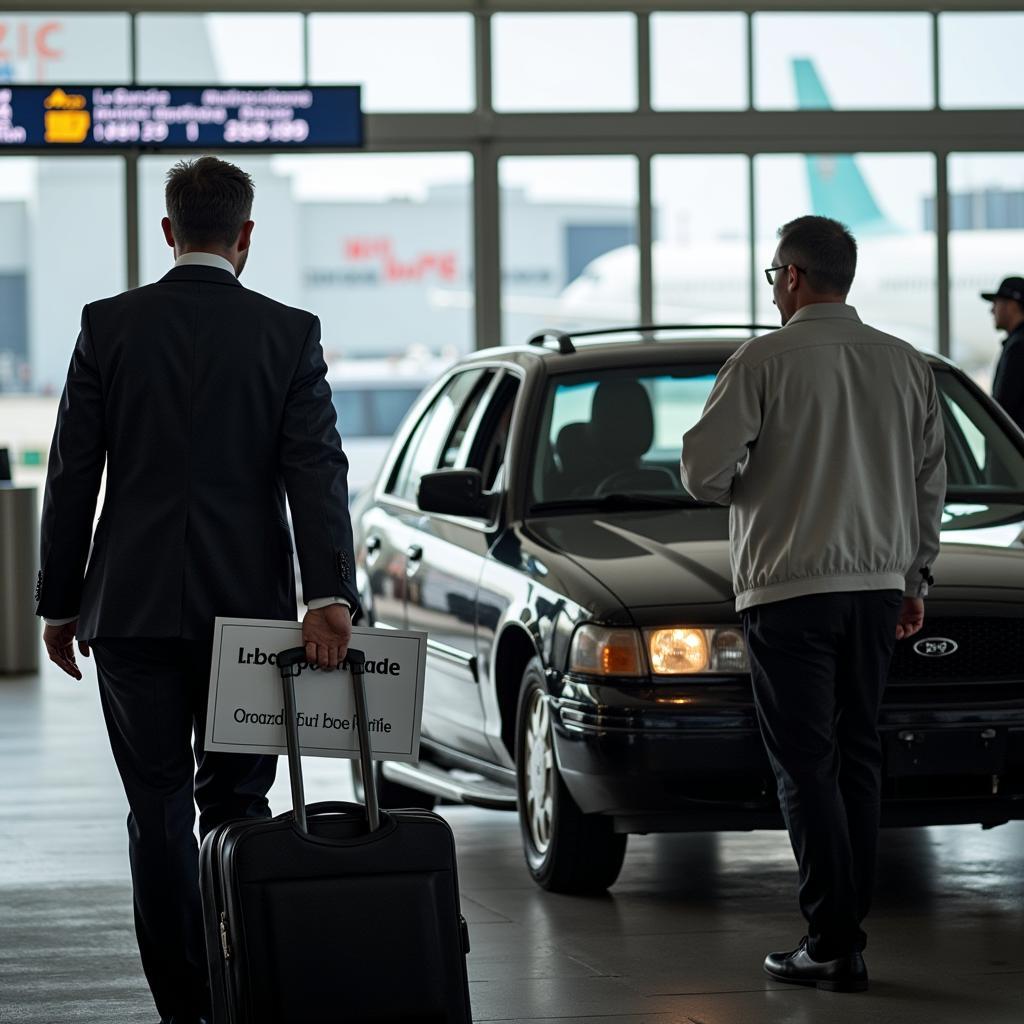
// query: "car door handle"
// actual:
[[414, 552], [373, 549]]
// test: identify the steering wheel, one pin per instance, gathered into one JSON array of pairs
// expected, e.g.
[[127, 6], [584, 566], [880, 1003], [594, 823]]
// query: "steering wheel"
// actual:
[[618, 479]]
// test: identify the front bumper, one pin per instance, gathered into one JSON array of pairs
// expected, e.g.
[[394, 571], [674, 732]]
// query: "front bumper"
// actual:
[[690, 757]]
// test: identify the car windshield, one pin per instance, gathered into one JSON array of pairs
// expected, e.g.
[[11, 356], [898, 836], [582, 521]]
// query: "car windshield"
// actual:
[[613, 438]]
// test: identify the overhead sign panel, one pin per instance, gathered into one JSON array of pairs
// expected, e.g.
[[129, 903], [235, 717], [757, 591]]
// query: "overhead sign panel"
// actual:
[[179, 117]]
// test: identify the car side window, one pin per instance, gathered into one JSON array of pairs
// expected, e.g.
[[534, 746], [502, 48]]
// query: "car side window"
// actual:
[[490, 443], [979, 454], [457, 435], [424, 447]]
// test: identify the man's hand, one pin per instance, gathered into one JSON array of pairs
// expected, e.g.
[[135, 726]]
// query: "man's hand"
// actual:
[[327, 632], [911, 617], [60, 646]]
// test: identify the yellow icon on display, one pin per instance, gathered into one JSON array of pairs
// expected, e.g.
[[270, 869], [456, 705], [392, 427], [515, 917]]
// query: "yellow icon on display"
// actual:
[[66, 119]]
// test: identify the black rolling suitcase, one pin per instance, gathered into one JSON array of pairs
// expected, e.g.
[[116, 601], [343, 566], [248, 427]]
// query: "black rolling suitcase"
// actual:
[[334, 912]]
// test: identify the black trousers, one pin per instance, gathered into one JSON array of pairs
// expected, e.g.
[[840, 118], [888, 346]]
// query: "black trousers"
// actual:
[[819, 665], [154, 696]]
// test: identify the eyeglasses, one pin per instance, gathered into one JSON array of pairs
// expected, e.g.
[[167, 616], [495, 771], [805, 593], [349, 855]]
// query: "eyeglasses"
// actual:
[[771, 271]]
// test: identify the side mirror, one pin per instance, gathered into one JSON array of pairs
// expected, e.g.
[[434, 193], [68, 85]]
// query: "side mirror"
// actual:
[[454, 492]]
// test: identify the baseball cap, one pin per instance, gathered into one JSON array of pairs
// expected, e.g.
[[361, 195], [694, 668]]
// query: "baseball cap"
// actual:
[[1010, 288]]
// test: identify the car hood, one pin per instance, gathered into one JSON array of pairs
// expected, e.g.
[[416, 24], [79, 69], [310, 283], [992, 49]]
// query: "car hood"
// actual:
[[982, 549], [648, 558], [671, 557]]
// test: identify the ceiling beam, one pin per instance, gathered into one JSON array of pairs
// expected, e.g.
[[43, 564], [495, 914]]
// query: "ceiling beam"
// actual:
[[383, 6]]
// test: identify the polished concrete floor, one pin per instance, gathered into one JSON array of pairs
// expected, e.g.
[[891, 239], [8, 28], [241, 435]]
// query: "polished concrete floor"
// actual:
[[679, 940]]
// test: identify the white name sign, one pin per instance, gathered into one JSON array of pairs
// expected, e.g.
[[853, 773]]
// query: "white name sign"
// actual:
[[245, 713]]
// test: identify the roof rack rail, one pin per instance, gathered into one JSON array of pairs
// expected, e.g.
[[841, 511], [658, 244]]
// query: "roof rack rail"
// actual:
[[565, 345], [565, 338]]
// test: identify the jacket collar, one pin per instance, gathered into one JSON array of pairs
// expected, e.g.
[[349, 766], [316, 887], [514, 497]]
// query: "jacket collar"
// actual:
[[1017, 334], [824, 311], [194, 272]]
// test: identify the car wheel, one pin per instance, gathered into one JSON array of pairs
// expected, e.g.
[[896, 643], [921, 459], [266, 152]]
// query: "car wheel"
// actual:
[[566, 850], [390, 794]]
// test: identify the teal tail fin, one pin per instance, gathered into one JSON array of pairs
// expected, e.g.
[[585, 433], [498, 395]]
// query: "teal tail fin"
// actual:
[[838, 188]]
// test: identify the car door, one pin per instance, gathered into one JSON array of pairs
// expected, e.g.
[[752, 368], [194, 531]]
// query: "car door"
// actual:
[[443, 584], [390, 526]]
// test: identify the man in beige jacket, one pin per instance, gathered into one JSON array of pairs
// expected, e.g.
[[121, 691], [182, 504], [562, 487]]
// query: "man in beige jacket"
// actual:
[[826, 440]]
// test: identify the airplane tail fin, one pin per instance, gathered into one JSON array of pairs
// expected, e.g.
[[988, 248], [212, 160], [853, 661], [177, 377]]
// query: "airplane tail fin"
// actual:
[[837, 187]]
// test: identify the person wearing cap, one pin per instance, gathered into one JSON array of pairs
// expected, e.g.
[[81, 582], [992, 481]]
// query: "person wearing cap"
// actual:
[[1008, 313]]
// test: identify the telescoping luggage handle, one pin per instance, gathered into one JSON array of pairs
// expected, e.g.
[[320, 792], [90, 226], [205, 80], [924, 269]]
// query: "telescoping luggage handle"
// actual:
[[290, 663]]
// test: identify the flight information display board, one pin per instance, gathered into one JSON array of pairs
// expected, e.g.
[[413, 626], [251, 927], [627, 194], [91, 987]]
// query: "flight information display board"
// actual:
[[179, 117]]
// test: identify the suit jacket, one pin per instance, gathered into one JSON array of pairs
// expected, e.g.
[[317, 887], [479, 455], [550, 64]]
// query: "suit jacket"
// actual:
[[207, 402]]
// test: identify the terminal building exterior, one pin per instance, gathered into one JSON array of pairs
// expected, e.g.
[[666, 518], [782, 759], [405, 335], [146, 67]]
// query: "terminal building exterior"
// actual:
[[383, 277]]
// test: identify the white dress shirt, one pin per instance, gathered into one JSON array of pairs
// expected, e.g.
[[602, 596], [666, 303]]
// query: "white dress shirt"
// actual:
[[204, 259], [210, 259]]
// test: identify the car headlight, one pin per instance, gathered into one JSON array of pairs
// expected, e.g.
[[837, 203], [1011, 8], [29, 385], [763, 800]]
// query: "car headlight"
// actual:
[[606, 651], [685, 650]]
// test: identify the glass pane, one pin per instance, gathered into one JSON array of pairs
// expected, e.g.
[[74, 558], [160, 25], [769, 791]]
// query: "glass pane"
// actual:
[[487, 451], [71, 48], [378, 246], [883, 199], [980, 456], [986, 244], [370, 408], [236, 49], [424, 447], [702, 232], [405, 62], [699, 61], [388, 407], [353, 413], [593, 440], [61, 246], [979, 59], [843, 61], [568, 243], [457, 435], [564, 62]]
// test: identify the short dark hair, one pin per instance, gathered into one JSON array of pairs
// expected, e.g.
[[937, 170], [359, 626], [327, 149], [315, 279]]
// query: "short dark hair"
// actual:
[[824, 248], [208, 201]]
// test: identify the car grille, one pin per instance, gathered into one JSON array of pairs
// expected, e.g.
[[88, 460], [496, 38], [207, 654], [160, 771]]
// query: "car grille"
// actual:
[[988, 650]]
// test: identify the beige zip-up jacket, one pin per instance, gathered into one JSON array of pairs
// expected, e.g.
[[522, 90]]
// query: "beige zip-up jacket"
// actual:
[[826, 440]]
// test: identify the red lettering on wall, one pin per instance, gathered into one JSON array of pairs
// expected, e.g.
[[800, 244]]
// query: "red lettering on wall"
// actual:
[[443, 265], [359, 250], [447, 270]]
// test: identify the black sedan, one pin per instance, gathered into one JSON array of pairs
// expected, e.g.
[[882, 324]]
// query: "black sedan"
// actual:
[[586, 663]]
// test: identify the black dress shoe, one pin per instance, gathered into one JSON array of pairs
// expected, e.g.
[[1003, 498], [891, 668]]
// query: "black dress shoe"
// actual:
[[845, 974]]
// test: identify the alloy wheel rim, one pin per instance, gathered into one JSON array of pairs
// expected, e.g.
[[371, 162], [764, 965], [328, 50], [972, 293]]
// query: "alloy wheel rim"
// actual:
[[539, 772]]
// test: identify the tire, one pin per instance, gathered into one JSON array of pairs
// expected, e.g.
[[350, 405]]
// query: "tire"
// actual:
[[391, 794], [566, 850]]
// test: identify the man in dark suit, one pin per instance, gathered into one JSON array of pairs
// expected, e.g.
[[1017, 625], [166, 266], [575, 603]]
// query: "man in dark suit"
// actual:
[[206, 402]]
